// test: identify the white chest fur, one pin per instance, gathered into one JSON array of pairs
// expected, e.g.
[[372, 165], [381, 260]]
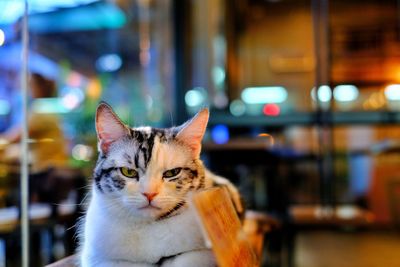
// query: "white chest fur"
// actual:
[[111, 237]]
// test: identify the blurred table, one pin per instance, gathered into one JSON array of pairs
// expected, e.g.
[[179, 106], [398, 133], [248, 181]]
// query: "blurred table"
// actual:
[[341, 215], [316, 217]]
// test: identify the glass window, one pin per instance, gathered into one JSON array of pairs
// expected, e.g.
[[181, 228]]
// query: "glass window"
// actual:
[[304, 99]]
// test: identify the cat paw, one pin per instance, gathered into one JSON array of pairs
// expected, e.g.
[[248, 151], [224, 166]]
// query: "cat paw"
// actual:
[[197, 258]]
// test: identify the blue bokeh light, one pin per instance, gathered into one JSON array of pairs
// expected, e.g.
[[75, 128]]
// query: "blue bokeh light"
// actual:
[[109, 63], [220, 134]]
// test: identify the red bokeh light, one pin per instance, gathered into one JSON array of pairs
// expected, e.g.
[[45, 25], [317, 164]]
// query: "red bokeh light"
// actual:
[[271, 110]]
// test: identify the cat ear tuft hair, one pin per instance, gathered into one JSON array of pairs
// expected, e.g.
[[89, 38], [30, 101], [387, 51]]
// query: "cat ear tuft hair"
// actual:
[[109, 127], [191, 132]]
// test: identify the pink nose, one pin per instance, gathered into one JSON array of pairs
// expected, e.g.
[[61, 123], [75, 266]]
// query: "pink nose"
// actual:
[[150, 196]]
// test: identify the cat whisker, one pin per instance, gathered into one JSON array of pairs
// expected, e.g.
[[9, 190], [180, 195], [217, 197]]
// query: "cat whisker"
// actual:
[[88, 186], [84, 199]]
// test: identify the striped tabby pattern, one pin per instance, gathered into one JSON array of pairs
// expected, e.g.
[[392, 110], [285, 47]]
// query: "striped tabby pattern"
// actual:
[[138, 152], [139, 212]]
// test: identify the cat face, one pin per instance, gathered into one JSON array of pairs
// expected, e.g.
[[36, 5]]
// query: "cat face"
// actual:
[[145, 171]]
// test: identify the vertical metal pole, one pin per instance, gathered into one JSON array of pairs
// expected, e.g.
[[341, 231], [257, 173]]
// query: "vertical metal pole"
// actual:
[[182, 43], [24, 142], [320, 13]]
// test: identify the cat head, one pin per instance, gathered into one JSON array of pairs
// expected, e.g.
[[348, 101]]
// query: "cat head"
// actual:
[[148, 172]]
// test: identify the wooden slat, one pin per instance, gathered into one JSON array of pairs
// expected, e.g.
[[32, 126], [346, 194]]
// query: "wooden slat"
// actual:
[[223, 228]]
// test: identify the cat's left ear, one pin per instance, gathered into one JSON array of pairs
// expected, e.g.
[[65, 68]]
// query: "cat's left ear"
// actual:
[[192, 132], [108, 126]]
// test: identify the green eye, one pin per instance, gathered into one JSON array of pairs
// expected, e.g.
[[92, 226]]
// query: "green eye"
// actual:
[[172, 173], [130, 173]]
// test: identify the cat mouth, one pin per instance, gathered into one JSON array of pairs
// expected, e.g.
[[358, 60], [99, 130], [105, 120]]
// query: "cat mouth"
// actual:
[[149, 207]]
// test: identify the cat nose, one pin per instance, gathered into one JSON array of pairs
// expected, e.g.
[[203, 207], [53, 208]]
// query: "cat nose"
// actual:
[[150, 196]]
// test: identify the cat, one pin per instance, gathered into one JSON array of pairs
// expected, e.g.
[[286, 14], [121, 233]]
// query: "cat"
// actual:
[[139, 213]]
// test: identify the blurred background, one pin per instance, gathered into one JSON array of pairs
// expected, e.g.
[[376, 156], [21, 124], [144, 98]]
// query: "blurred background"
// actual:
[[304, 99]]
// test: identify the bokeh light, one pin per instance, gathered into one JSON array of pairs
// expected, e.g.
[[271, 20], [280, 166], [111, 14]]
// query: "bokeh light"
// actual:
[[195, 97], [263, 95], [220, 100], [345, 93], [220, 134], [218, 75], [324, 93], [109, 63], [82, 152], [392, 92], [271, 110], [71, 97], [93, 90], [237, 107]]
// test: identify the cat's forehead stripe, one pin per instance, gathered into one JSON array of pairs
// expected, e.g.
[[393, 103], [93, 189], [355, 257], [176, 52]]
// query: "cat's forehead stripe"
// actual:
[[145, 137]]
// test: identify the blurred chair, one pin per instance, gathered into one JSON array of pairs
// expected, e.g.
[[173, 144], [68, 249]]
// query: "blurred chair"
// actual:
[[55, 197], [258, 226]]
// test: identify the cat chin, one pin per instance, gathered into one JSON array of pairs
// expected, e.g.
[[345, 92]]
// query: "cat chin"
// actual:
[[147, 213]]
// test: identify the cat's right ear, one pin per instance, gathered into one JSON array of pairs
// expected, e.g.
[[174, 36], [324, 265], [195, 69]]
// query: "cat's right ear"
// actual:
[[109, 127]]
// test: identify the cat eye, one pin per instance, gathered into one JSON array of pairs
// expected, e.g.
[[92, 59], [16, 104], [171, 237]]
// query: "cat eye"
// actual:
[[171, 173], [130, 173]]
